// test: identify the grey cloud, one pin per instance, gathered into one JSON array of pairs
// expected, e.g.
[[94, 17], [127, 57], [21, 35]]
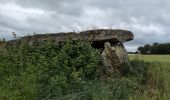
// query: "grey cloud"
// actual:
[[149, 20], [71, 7]]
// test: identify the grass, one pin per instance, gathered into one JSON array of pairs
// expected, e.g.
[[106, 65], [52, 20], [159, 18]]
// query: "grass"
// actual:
[[159, 78], [151, 58]]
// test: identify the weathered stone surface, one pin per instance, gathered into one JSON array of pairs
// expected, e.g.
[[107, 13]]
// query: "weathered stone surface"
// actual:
[[113, 56], [107, 58], [98, 37]]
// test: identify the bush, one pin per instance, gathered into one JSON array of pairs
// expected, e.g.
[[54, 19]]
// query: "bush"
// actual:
[[47, 70]]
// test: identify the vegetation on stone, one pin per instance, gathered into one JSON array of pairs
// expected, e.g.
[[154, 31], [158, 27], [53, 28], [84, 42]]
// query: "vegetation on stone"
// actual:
[[72, 71]]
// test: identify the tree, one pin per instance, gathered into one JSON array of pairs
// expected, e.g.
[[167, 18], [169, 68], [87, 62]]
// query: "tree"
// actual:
[[141, 49], [147, 49], [155, 48]]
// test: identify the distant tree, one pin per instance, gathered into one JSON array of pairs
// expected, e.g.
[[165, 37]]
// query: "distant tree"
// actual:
[[155, 44], [147, 49], [155, 48], [141, 49]]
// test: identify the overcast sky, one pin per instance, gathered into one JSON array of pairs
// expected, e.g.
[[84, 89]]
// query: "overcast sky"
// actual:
[[149, 20]]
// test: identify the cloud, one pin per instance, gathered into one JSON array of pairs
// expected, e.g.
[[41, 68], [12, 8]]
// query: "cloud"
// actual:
[[148, 20]]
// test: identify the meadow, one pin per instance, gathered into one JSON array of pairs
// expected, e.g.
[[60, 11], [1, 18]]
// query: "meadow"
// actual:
[[151, 58], [159, 66]]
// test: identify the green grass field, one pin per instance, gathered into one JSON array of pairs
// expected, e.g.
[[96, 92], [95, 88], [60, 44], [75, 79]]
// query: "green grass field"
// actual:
[[151, 58], [160, 78]]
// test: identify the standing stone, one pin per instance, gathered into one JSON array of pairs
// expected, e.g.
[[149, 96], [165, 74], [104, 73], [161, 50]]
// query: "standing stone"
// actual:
[[113, 57], [107, 58]]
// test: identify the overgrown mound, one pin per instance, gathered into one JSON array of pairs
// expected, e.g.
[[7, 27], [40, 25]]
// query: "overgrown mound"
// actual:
[[46, 70]]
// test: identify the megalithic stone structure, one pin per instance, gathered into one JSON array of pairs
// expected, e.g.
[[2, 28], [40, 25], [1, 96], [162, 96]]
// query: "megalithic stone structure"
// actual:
[[110, 40]]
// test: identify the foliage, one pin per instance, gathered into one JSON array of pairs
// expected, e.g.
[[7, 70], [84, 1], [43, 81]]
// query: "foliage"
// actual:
[[68, 71], [46, 70], [137, 69], [156, 48]]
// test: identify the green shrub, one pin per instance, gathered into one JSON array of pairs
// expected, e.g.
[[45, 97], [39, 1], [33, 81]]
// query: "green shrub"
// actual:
[[45, 70]]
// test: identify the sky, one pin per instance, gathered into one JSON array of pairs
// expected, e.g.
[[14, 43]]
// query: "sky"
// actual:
[[149, 20]]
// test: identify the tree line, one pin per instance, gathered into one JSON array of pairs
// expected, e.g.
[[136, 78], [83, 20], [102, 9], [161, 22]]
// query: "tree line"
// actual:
[[155, 48]]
